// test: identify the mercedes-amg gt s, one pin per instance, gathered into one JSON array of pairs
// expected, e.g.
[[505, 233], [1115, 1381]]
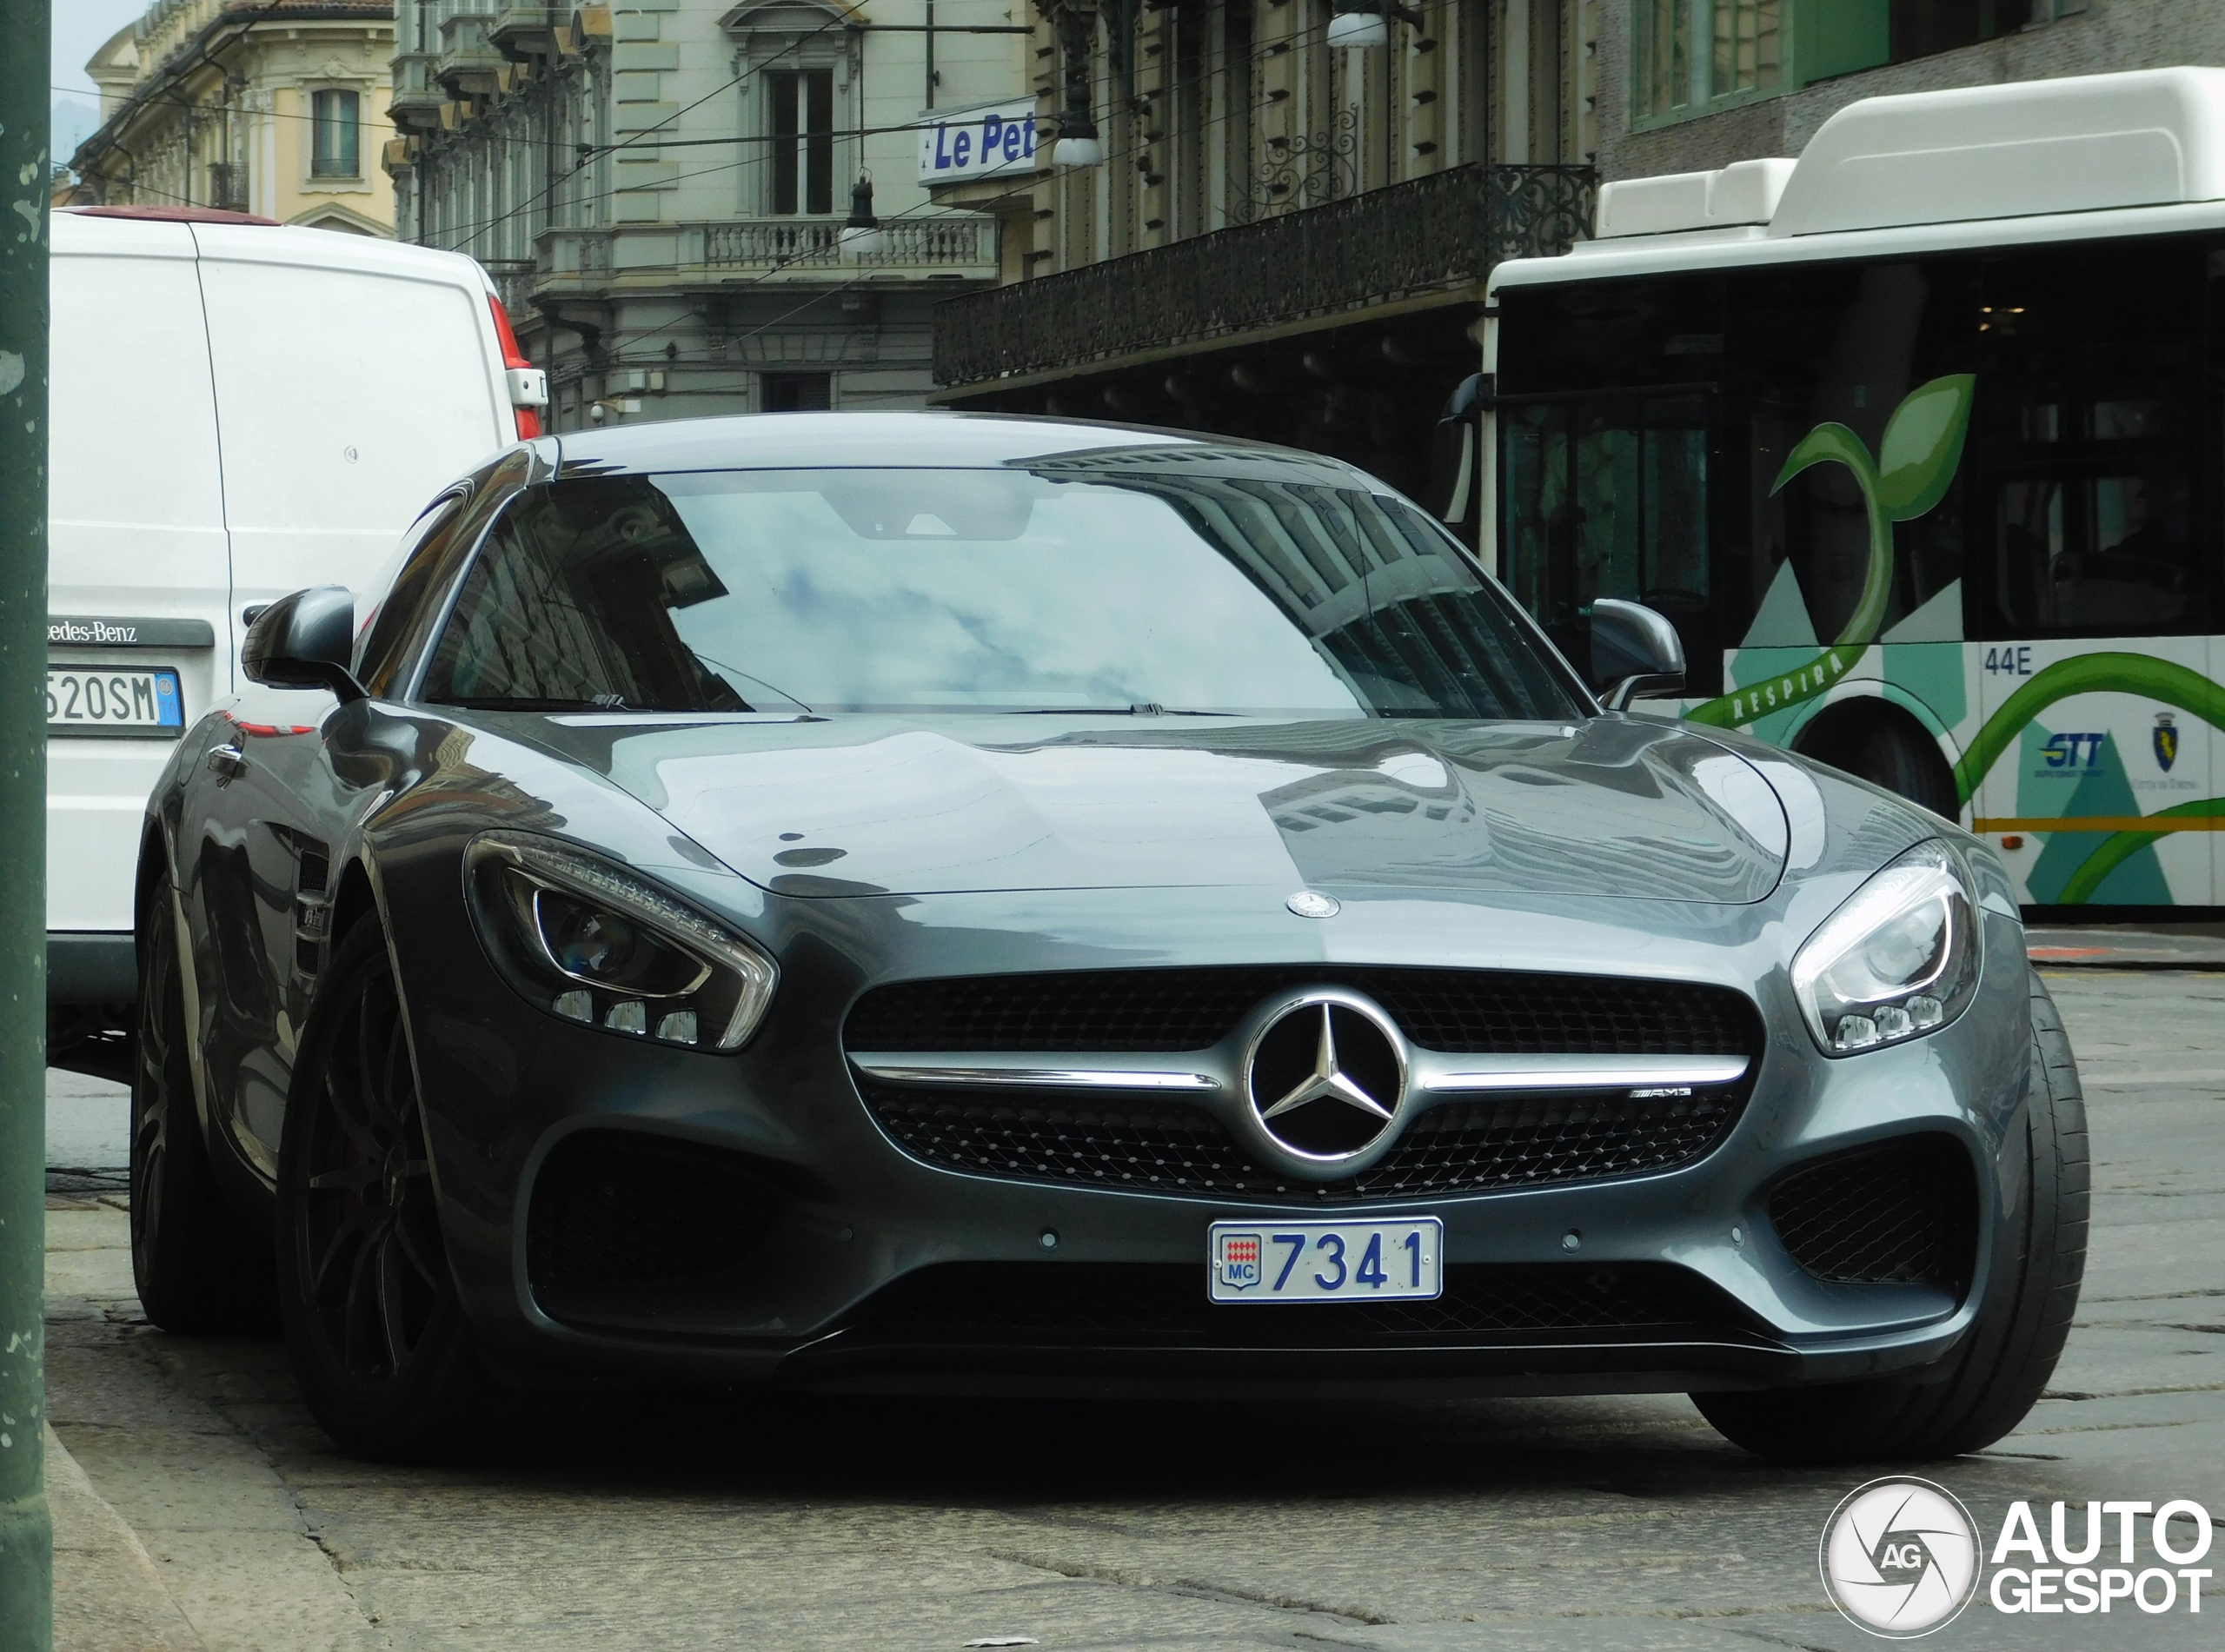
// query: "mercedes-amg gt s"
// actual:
[[926, 902]]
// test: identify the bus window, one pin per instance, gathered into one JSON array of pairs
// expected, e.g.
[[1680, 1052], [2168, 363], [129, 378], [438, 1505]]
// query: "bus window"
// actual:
[[2086, 411], [1607, 497], [1841, 344]]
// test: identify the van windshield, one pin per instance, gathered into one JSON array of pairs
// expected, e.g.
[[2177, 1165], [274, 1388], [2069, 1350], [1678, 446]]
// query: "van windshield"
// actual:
[[1057, 588]]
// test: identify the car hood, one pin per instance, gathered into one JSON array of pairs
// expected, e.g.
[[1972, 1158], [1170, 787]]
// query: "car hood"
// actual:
[[1616, 806]]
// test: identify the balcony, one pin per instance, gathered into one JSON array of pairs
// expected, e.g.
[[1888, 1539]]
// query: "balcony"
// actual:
[[470, 59], [520, 30], [1440, 235], [627, 258], [417, 96]]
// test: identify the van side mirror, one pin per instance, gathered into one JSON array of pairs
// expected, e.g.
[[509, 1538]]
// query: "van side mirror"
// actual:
[[305, 641], [1453, 490], [1635, 652]]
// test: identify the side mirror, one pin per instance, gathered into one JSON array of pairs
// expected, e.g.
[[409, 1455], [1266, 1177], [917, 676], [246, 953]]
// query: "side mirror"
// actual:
[[1452, 490], [1634, 652], [305, 641]]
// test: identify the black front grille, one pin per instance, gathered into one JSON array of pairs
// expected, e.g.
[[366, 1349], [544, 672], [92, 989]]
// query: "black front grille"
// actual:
[[1475, 1012], [617, 1208], [1110, 1304], [1491, 1142], [1906, 1211]]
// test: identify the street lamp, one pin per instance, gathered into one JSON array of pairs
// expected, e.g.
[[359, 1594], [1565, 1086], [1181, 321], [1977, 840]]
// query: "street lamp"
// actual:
[[1365, 25], [1079, 144], [862, 235]]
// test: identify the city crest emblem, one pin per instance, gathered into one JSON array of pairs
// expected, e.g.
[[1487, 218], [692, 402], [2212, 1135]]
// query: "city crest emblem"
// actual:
[[2167, 741], [1239, 1260]]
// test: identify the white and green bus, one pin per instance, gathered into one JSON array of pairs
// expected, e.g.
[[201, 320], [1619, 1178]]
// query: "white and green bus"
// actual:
[[1917, 441]]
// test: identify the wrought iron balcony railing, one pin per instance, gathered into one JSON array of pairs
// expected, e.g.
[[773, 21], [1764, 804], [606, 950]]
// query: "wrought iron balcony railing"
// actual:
[[1435, 234]]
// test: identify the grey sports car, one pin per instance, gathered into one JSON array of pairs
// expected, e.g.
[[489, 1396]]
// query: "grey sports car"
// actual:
[[934, 903]]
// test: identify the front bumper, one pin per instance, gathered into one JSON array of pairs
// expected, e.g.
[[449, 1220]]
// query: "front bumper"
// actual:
[[830, 1221]]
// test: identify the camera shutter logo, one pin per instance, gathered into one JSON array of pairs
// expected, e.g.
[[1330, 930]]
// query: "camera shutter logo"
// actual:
[[1900, 1558]]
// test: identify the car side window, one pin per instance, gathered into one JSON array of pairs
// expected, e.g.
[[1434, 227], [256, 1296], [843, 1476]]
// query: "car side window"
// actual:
[[443, 535]]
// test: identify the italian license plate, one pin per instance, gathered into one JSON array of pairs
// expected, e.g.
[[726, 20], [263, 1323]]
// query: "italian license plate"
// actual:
[[85, 699], [1326, 1261]]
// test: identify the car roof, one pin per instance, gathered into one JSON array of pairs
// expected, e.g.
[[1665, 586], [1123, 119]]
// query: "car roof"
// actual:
[[781, 441]]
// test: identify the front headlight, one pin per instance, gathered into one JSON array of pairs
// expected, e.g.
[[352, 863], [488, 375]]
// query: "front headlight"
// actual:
[[1898, 960], [587, 941]]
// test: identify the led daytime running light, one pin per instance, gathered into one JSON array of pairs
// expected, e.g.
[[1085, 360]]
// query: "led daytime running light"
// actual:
[[1898, 960], [724, 995]]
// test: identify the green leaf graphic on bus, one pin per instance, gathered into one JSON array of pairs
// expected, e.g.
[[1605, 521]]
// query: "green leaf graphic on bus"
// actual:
[[1914, 468]]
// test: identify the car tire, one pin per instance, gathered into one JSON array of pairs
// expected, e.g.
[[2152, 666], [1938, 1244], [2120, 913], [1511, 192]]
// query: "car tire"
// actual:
[[1882, 744], [197, 1267], [380, 1344], [2003, 1362]]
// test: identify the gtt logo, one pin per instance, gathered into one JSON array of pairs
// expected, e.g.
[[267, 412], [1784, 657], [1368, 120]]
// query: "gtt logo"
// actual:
[[2062, 750]]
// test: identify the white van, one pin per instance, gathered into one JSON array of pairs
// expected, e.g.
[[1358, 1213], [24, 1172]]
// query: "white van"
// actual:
[[239, 409]]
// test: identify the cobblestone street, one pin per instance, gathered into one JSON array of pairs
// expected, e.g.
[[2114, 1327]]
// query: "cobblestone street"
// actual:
[[199, 1506]]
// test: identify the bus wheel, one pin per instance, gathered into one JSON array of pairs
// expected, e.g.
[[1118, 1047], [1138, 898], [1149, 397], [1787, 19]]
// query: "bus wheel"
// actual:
[[1877, 742]]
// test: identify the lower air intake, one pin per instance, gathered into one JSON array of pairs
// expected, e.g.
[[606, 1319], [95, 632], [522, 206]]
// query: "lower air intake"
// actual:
[[620, 1209], [1905, 1213], [1162, 1303]]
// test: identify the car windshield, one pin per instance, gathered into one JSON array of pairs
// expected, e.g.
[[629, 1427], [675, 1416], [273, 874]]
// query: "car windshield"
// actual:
[[1128, 583]]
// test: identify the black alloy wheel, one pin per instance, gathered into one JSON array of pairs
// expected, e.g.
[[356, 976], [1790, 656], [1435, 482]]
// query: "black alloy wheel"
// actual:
[[195, 1265], [378, 1336]]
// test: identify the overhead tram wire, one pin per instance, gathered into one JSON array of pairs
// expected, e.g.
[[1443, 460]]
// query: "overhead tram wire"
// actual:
[[617, 341], [473, 231], [1101, 88]]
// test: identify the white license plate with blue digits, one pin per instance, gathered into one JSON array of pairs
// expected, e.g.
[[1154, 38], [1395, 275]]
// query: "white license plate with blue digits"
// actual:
[[1326, 1261]]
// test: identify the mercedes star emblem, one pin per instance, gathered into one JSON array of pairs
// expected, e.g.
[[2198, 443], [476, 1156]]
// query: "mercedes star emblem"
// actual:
[[1312, 903], [1327, 1082], [1324, 1078]]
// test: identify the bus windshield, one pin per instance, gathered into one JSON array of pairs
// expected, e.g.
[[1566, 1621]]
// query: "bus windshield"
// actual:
[[1878, 497]]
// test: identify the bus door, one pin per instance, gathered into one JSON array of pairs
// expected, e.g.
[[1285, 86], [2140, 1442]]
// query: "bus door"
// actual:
[[2091, 609], [1606, 496]]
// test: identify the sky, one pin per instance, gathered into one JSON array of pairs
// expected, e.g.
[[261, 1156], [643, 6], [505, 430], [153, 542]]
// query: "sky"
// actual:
[[80, 26]]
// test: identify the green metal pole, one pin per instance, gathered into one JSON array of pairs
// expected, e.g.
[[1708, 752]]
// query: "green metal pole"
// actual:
[[26, 1531]]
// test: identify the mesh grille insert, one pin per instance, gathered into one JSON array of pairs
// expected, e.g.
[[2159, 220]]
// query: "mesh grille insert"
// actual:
[[1498, 1141], [1023, 1302], [1462, 1010], [1905, 1211]]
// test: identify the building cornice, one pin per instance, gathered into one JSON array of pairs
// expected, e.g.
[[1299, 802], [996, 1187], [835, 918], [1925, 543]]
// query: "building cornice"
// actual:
[[236, 21]]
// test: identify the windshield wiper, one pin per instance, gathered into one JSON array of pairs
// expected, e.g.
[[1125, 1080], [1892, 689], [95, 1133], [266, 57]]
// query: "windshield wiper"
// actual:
[[1145, 708], [468, 703]]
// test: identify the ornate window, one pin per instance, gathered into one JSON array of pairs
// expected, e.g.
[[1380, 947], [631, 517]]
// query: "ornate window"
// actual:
[[802, 149], [335, 127]]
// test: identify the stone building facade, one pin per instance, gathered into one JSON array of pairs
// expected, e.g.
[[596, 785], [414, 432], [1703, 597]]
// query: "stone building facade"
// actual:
[[262, 106], [661, 189], [1686, 85], [1287, 236]]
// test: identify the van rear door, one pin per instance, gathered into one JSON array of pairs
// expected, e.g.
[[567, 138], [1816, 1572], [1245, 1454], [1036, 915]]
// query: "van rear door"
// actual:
[[354, 381], [138, 573]]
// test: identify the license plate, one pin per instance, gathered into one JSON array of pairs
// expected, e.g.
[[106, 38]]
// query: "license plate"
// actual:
[[87, 700], [1326, 1261]]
